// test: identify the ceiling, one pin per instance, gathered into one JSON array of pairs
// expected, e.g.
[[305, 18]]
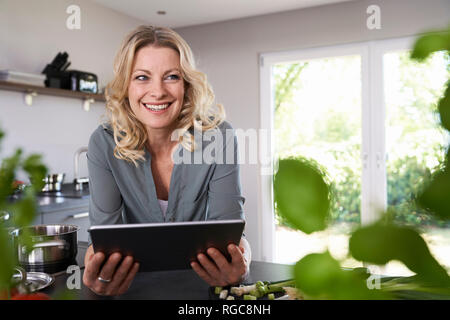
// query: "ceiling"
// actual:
[[183, 13]]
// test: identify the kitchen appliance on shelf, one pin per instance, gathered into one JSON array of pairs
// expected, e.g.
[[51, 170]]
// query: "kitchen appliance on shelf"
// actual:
[[22, 77], [57, 76]]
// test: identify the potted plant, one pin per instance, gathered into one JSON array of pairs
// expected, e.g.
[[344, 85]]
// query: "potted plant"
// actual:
[[17, 214]]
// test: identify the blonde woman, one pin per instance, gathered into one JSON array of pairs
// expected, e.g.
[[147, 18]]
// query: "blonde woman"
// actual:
[[156, 104]]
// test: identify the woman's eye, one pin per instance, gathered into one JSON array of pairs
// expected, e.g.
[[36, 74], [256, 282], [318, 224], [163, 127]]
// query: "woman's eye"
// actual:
[[173, 77], [141, 77]]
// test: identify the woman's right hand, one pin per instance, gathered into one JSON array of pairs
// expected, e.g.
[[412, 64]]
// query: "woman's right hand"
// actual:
[[120, 272]]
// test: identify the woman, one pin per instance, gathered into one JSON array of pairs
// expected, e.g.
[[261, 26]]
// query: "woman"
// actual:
[[158, 103]]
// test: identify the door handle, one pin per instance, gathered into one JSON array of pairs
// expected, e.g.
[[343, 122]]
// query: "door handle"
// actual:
[[79, 215]]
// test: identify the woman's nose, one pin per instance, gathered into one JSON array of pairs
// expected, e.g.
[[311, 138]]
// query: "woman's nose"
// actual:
[[157, 89]]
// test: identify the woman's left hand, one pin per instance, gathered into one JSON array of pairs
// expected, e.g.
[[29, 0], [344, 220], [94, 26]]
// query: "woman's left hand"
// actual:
[[215, 269]]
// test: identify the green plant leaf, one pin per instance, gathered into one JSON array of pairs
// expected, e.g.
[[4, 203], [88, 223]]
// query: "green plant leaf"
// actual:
[[435, 196], [36, 170], [23, 211], [429, 43], [444, 108], [8, 172], [301, 194], [381, 243], [2, 134], [7, 259], [320, 276]]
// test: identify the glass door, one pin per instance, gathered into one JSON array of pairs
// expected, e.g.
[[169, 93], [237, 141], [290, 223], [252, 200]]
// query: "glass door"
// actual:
[[415, 143], [318, 116]]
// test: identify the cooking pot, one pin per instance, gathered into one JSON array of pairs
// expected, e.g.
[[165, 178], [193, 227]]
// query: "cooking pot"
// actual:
[[54, 247], [53, 182]]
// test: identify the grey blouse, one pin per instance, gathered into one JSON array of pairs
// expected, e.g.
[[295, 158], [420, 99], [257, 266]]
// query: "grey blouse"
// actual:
[[204, 185]]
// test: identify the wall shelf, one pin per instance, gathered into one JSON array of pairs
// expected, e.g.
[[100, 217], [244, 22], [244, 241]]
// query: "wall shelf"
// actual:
[[29, 89]]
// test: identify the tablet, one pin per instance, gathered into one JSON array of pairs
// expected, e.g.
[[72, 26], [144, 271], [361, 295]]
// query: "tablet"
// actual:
[[166, 246]]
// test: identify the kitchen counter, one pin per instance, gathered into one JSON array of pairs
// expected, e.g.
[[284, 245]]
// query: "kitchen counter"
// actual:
[[166, 285], [67, 199]]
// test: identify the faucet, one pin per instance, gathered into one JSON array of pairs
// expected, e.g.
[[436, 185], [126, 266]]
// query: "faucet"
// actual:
[[78, 182]]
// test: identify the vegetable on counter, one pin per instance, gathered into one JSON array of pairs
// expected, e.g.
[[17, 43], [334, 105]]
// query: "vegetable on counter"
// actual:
[[223, 294], [257, 290]]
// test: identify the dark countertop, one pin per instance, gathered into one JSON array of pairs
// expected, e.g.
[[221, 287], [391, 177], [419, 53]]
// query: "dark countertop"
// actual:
[[67, 199], [166, 285]]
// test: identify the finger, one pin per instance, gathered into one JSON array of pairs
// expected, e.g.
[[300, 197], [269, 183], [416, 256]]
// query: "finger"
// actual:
[[92, 268], [107, 270], [129, 278], [120, 274], [239, 262], [220, 260], [209, 266], [242, 246], [237, 258], [202, 273]]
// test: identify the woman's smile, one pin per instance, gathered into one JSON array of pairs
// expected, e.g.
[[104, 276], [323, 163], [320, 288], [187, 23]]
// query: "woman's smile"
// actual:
[[157, 108]]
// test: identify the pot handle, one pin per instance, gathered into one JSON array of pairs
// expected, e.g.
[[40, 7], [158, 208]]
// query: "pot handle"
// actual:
[[22, 272], [55, 243]]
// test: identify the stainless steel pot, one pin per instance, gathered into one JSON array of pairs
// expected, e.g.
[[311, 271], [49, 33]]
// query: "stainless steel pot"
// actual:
[[52, 245], [53, 182]]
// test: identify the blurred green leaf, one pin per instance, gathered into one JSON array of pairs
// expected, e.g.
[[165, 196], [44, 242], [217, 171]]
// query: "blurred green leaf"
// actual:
[[36, 170], [2, 134], [429, 43], [316, 273], [23, 211], [320, 276], [435, 196], [444, 108], [301, 194], [7, 259], [381, 243], [8, 173], [25, 240]]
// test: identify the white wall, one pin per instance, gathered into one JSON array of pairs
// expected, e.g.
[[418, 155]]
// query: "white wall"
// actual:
[[228, 53], [31, 34]]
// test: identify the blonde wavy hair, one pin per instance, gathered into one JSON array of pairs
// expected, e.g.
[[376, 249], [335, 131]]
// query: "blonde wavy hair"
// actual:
[[197, 113]]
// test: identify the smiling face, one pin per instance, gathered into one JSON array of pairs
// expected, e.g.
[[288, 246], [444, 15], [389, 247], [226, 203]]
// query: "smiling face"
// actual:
[[156, 87]]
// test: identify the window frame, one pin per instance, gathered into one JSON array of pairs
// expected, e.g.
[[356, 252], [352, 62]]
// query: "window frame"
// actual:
[[373, 153]]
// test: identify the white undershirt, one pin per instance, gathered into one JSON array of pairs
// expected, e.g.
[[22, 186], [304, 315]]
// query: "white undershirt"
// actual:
[[163, 205]]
